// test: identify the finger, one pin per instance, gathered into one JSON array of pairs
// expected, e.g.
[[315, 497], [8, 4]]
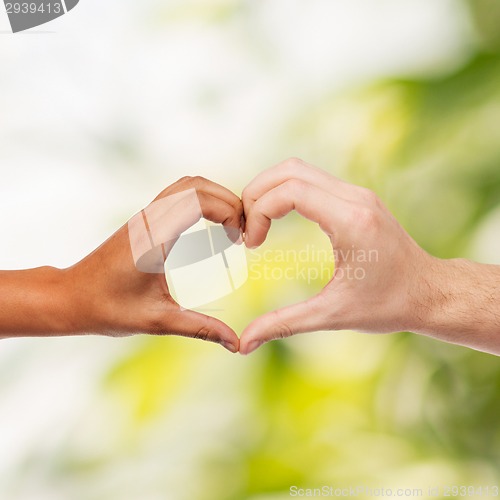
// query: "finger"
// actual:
[[303, 317], [212, 209], [168, 222], [191, 324], [219, 211], [297, 169], [330, 212], [154, 231], [207, 186], [182, 215]]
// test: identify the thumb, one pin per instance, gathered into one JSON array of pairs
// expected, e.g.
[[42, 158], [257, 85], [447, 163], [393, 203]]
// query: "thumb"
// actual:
[[192, 324], [307, 316]]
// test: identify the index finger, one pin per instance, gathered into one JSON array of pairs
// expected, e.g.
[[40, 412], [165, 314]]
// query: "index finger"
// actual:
[[299, 170], [154, 230], [200, 184], [329, 211]]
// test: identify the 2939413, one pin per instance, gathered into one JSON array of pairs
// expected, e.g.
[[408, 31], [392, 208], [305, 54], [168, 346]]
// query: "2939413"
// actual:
[[34, 8], [470, 491]]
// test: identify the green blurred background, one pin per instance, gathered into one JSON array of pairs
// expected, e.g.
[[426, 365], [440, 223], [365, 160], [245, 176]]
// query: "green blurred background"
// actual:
[[400, 96]]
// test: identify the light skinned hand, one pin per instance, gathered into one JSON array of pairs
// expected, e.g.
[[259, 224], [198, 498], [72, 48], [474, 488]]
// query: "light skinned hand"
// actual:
[[402, 288]]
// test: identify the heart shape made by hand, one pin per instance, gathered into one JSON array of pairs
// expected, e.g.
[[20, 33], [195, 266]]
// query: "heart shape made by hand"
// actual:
[[371, 287]]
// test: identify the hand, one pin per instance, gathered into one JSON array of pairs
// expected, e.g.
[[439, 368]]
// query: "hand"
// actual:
[[116, 298], [381, 294]]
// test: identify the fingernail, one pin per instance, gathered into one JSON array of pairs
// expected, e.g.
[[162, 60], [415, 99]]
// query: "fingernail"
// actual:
[[250, 247], [230, 347], [255, 344], [245, 238]]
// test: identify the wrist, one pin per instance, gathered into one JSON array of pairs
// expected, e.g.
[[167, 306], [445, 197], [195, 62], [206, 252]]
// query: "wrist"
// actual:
[[440, 301], [63, 306], [81, 301], [34, 303]]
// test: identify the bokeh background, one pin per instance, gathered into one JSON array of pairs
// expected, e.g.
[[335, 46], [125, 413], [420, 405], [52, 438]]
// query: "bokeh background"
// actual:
[[104, 107]]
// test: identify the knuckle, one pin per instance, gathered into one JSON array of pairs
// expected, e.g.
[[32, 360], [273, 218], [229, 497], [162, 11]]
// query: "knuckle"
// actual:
[[369, 196], [198, 179], [280, 329], [293, 166], [246, 195], [255, 209], [203, 333], [295, 187], [294, 162], [195, 181], [365, 218]]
